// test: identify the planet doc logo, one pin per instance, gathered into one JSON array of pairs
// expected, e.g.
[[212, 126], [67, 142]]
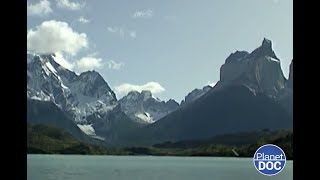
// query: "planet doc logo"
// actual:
[[269, 159]]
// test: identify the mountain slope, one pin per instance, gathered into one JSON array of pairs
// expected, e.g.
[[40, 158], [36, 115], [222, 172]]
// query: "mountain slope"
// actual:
[[285, 97], [113, 126], [46, 112], [47, 139]]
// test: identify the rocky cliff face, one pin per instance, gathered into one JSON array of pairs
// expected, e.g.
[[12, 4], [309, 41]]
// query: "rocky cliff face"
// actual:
[[285, 97], [290, 80]]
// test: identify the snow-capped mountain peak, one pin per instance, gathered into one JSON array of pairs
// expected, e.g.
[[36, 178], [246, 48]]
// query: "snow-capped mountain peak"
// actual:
[[78, 95], [144, 107]]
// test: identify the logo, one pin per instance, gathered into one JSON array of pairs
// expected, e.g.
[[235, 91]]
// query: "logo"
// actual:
[[269, 159]]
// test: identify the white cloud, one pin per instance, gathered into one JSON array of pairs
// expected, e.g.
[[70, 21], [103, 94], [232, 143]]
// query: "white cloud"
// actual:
[[125, 88], [143, 14], [66, 4], [60, 59], [83, 20], [53, 36], [210, 83], [133, 34], [114, 65], [39, 9], [88, 63]]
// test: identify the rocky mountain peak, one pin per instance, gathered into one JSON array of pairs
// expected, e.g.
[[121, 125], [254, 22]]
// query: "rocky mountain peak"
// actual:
[[195, 94], [172, 104], [92, 74], [133, 92], [265, 50], [146, 94], [93, 84], [266, 43], [260, 70]]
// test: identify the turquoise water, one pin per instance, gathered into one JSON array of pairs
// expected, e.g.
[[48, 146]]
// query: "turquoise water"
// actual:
[[79, 167]]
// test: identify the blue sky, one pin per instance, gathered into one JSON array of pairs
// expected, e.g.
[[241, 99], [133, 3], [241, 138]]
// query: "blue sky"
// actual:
[[170, 46]]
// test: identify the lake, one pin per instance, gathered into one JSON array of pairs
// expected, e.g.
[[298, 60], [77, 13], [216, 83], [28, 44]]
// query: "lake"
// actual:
[[80, 167]]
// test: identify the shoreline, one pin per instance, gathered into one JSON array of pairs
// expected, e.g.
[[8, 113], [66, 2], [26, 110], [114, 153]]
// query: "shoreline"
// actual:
[[142, 155]]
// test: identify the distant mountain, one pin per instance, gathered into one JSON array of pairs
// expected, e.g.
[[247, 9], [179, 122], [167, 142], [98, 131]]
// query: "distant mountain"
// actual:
[[195, 94], [245, 99], [86, 99], [144, 108]]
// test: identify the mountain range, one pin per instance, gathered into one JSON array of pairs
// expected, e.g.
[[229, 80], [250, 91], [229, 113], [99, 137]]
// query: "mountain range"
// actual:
[[252, 94]]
